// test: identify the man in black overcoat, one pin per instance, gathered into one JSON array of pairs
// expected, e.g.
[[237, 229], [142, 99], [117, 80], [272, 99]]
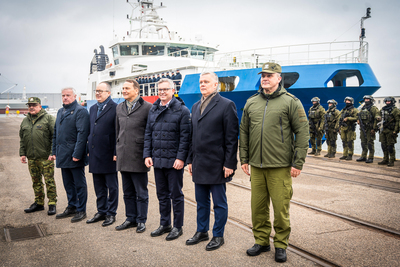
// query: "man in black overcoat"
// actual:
[[101, 155], [212, 158]]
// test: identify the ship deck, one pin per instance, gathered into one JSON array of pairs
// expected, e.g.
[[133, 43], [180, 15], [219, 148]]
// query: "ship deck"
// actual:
[[367, 193]]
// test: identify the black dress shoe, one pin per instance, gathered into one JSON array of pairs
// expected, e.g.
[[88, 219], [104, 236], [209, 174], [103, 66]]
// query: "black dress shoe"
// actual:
[[161, 230], [126, 225], [97, 217], [257, 249], [79, 216], [141, 227], [109, 220], [34, 207], [197, 238], [68, 212], [174, 234], [215, 243], [52, 210], [280, 255]]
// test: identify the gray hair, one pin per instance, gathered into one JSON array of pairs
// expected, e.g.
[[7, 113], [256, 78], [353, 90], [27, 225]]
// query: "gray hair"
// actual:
[[108, 86], [166, 80], [213, 75], [69, 88]]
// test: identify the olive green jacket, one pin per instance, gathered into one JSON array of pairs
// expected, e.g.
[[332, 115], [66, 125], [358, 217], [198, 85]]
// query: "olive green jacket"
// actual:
[[273, 131], [369, 118], [352, 117], [36, 135], [316, 115]]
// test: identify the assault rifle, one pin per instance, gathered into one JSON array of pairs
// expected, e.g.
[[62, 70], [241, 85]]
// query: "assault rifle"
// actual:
[[313, 127], [362, 125], [341, 121], [380, 124]]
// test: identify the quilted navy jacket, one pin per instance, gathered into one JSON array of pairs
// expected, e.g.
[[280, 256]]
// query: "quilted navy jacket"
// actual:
[[167, 133]]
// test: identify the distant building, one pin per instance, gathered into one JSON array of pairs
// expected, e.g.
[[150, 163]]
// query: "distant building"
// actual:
[[50, 100]]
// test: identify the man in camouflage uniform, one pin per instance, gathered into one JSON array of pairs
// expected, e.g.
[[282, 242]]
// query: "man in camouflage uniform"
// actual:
[[36, 134], [347, 127], [315, 117], [331, 117], [367, 119], [388, 130]]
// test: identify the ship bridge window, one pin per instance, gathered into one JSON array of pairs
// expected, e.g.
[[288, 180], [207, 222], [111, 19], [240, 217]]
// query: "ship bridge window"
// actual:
[[176, 50], [345, 78], [115, 51], [153, 50], [227, 84], [129, 50], [289, 78]]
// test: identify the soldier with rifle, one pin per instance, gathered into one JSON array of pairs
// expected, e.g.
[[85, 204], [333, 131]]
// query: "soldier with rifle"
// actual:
[[347, 127], [388, 130], [332, 116], [315, 115], [367, 119]]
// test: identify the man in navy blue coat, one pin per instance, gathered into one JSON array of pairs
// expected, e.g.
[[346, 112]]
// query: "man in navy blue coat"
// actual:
[[69, 150], [212, 158], [166, 146], [101, 155]]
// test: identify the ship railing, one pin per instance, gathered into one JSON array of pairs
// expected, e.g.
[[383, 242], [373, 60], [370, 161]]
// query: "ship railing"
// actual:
[[304, 54], [196, 54]]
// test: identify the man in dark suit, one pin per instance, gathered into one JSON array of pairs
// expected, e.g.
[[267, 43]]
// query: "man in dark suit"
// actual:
[[130, 126], [101, 155], [69, 148], [212, 158]]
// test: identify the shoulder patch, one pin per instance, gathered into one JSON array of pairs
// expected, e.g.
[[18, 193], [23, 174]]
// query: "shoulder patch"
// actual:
[[293, 96], [301, 113]]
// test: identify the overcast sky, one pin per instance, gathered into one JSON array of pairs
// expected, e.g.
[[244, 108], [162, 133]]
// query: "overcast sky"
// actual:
[[48, 45]]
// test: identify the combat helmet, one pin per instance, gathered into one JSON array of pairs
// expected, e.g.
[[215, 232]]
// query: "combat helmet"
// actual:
[[349, 98], [370, 97], [389, 98], [332, 101], [315, 99]]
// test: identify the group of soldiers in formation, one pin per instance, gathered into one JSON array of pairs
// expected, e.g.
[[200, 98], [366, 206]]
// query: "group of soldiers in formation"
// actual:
[[369, 117]]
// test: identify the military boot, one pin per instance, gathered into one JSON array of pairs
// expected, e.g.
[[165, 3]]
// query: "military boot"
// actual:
[[361, 159], [313, 151], [317, 153], [349, 157], [385, 159], [391, 163], [331, 155], [326, 155], [369, 160]]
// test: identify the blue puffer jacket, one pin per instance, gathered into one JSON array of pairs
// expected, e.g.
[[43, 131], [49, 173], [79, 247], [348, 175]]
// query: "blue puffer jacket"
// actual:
[[167, 133]]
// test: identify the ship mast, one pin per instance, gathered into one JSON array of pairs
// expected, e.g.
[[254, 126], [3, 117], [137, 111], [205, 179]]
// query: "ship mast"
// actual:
[[363, 53], [149, 21]]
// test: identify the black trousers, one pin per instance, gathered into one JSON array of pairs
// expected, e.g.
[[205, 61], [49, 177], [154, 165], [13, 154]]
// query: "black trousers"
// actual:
[[169, 184], [106, 189], [136, 196]]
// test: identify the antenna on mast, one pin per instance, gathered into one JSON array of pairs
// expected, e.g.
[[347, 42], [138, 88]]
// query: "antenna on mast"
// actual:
[[363, 53]]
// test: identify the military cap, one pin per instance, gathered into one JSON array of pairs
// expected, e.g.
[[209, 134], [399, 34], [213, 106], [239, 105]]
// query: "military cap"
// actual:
[[34, 100], [271, 67]]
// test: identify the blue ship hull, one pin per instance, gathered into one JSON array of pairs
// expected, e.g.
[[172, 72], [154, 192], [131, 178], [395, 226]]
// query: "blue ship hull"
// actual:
[[327, 81]]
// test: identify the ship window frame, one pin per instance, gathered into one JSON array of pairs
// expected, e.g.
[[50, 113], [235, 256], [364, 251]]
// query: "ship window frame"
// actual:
[[292, 78], [341, 78], [115, 52], [128, 53], [159, 50]]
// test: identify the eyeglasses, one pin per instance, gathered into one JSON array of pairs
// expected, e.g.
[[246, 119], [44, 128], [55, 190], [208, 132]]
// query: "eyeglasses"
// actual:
[[164, 90], [100, 91]]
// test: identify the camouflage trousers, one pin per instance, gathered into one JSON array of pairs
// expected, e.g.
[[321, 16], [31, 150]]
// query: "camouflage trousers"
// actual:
[[331, 137], [388, 139], [316, 140], [45, 168], [348, 136], [367, 143]]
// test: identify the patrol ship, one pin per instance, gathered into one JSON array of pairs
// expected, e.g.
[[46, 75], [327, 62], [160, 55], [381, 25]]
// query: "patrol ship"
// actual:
[[331, 70]]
